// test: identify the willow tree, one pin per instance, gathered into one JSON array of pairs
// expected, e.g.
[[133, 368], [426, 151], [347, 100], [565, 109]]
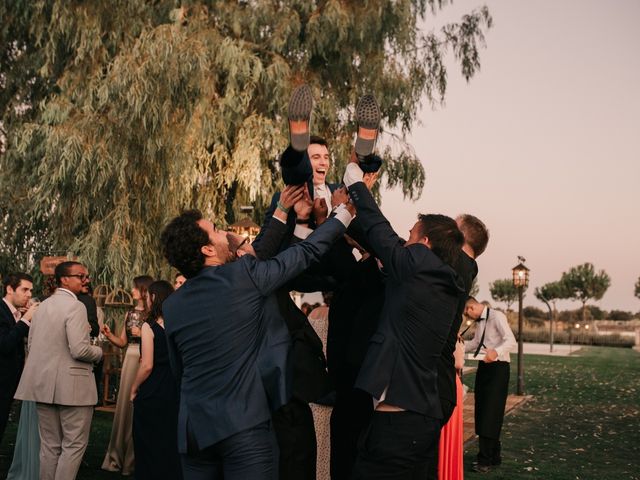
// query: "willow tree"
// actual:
[[116, 115]]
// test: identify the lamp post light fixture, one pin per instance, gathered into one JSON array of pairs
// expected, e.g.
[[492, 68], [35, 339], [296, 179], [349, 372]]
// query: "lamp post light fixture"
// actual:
[[520, 281]]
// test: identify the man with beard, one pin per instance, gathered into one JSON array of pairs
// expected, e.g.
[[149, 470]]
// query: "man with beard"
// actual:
[[214, 325]]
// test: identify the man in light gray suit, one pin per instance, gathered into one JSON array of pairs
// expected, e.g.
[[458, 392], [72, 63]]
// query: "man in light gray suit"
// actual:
[[58, 374]]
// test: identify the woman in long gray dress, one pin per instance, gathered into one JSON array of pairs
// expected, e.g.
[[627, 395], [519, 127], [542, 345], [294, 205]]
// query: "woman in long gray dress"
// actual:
[[120, 456]]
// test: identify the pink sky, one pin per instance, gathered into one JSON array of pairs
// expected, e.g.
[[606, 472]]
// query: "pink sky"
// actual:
[[543, 144]]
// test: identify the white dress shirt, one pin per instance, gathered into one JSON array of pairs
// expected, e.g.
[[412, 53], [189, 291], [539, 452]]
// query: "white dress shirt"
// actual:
[[497, 336]]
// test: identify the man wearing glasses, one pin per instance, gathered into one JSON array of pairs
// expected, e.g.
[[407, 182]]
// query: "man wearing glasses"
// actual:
[[58, 374]]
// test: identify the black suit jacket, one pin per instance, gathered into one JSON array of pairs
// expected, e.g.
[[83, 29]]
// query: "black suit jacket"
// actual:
[[12, 335], [215, 324], [467, 269], [353, 318], [92, 313], [308, 373], [421, 299]]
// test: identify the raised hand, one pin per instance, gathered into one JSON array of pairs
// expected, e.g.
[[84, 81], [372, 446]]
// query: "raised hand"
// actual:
[[304, 206], [320, 210], [339, 196], [369, 179], [291, 194], [28, 314]]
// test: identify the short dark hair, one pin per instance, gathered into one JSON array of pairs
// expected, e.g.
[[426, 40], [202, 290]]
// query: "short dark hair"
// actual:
[[318, 140], [182, 240], [63, 269], [158, 291], [475, 233], [444, 235], [13, 280]]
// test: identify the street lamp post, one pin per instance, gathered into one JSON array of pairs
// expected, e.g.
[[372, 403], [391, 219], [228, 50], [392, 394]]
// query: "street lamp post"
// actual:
[[520, 281]]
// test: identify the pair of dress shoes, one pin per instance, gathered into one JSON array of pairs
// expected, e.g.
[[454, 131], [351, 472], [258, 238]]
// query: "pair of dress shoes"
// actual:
[[367, 117]]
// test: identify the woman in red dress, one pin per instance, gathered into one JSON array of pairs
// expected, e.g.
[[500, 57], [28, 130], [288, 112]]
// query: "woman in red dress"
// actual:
[[451, 448]]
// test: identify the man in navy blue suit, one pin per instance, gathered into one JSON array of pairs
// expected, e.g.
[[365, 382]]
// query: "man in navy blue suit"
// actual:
[[215, 325], [15, 321]]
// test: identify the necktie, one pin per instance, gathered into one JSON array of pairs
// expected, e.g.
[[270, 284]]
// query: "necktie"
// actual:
[[16, 315]]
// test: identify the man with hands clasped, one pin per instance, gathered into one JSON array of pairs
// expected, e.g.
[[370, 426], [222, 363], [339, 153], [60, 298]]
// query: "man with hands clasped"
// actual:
[[495, 339]]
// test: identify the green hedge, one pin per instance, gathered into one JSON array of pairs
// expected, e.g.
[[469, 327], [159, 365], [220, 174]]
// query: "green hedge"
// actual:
[[579, 338]]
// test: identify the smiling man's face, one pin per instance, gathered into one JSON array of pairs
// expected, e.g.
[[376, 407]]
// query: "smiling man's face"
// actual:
[[320, 162]]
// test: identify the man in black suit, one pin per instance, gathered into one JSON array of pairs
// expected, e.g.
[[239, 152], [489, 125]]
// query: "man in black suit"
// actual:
[[215, 323], [476, 238], [310, 168], [400, 368], [15, 320]]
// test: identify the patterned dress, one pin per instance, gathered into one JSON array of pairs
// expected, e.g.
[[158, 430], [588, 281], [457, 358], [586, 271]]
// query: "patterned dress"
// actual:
[[319, 320]]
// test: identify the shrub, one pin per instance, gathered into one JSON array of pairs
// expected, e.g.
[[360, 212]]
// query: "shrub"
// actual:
[[534, 312], [620, 315], [578, 338]]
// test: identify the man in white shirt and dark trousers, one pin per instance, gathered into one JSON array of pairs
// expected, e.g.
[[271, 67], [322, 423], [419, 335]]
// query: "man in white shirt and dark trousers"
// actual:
[[495, 339]]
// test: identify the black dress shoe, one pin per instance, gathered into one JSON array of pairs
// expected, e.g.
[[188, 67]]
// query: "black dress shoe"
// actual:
[[299, 114], [480, 468]]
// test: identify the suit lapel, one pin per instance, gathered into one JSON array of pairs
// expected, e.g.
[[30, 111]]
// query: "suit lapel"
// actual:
[[5, 313]]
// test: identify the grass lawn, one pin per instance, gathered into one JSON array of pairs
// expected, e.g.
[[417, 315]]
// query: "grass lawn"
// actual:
[[583, 422]]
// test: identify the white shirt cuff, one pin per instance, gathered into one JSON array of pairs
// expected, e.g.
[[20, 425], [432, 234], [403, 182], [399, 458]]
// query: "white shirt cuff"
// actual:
[[343, 214], [302, 232], [26, 321], [352, 174], [279, 219]]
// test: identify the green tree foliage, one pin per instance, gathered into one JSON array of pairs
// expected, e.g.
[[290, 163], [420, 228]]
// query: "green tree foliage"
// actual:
[[583, 283], [533, 312], [549, 293], [504, 291], [620, 315], [116, 115]]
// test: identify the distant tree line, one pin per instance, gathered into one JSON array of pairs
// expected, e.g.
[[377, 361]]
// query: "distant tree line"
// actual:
[[593, 313], [581, 283]]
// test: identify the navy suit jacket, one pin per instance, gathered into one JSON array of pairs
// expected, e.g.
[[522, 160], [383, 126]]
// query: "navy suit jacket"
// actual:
[[421, 299], [12, 335], [214, 325]]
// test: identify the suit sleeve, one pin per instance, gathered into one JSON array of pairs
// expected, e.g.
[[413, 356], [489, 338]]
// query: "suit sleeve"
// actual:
[[174, 360], [12, 335], [272, 234], [77, 329], [398, 260], [269, 275]]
